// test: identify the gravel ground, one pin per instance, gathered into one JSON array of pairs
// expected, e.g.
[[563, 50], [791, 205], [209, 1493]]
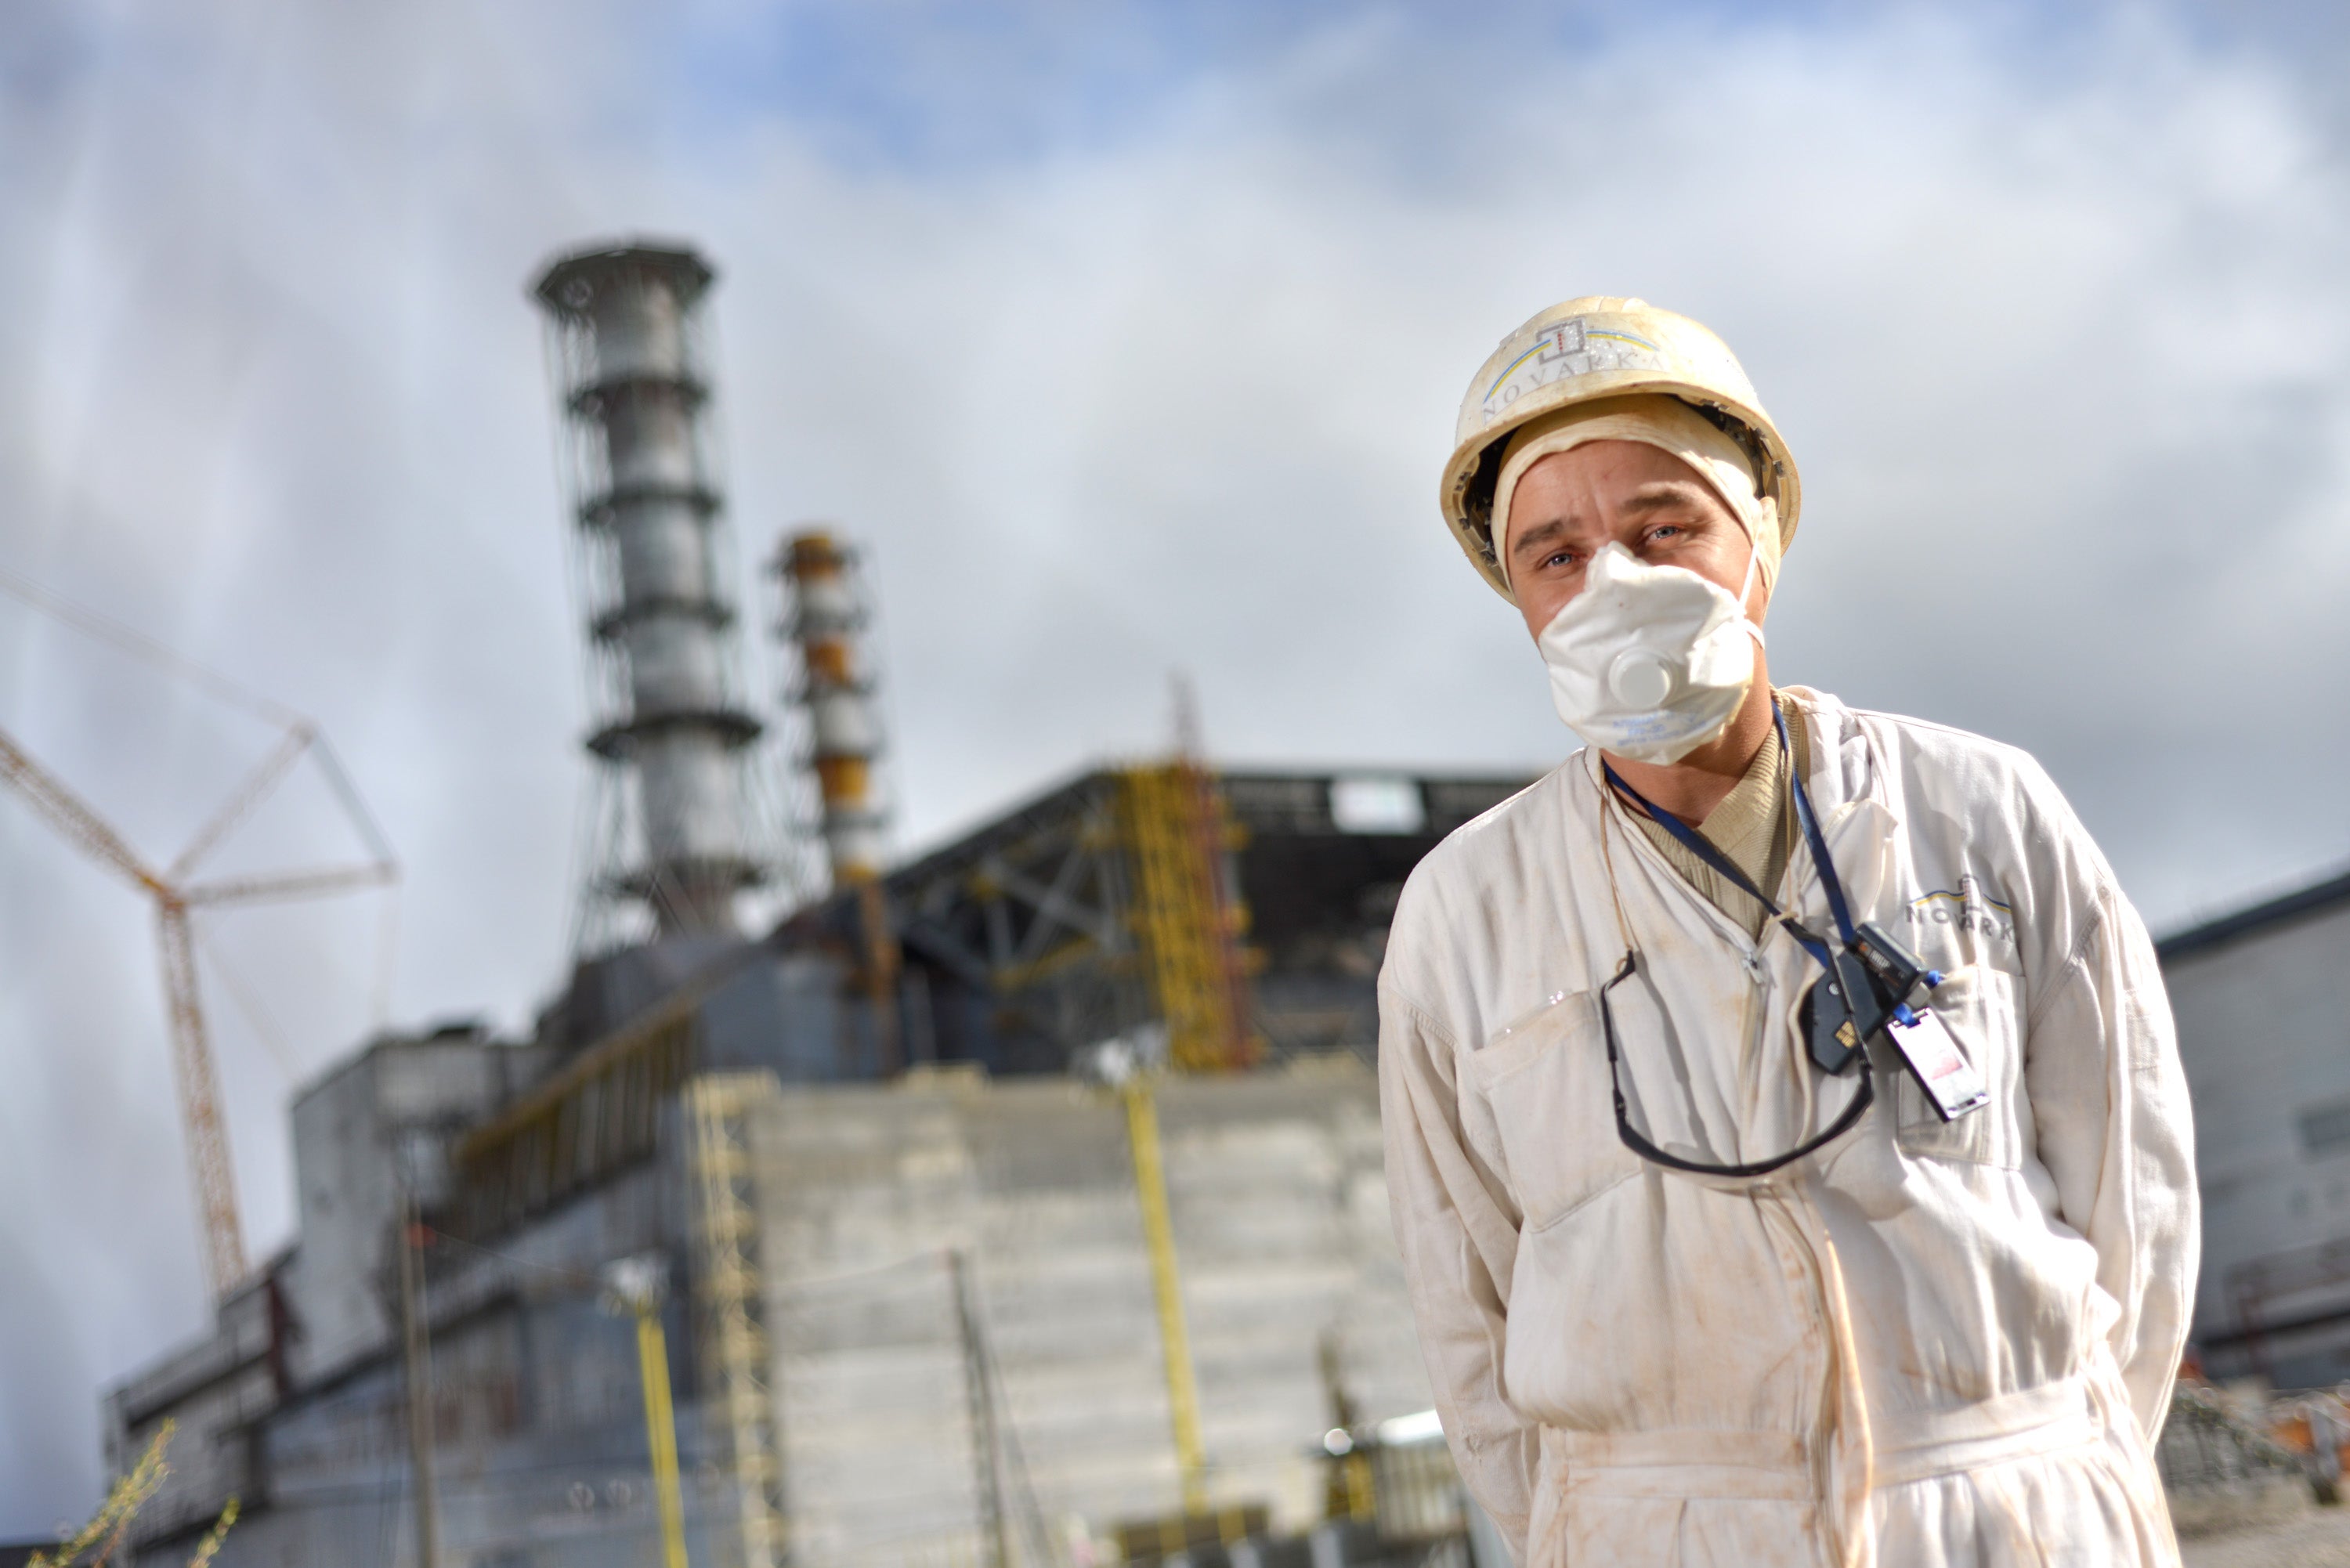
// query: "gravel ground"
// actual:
[[2317, 1538]]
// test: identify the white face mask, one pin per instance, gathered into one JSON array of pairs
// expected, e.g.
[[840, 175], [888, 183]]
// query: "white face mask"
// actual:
[[1649, 662]]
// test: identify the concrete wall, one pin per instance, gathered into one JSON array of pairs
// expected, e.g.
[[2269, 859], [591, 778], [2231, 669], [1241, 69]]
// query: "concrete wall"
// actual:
[[297, 1401], [358, 1132], [1280, 1218], [1280, 1221], [2264, 1031], [325, 1303], [538, 1420]]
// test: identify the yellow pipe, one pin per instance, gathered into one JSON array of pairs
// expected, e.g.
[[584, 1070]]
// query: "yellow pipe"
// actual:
[[1159, 1238], [661, 1426]]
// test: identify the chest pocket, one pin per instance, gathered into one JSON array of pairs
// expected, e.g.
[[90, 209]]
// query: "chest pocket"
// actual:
[[1545, 1082], [1977, 1004]]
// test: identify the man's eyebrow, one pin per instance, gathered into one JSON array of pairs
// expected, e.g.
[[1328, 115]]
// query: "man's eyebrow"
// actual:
[[1541, 533], [1663, 492]]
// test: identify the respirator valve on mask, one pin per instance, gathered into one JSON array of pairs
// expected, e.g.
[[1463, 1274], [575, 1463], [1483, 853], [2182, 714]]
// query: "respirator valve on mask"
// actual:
[[1640, 678]]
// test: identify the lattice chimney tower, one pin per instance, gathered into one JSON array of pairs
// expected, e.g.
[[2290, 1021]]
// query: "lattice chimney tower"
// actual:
[[672, 823], [827, 617]]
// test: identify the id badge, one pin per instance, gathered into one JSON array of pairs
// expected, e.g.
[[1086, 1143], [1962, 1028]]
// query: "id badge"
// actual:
[[1951, 1083]]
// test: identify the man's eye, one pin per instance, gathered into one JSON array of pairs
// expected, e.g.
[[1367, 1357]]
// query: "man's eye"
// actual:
[[1564, 557], [1665, 532]]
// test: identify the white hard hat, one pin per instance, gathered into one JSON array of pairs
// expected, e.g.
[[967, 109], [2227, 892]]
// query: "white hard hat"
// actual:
[[1588, 348]]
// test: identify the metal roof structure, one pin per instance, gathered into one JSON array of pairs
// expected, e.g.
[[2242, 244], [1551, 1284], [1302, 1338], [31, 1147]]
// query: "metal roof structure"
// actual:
[[2315, 899]]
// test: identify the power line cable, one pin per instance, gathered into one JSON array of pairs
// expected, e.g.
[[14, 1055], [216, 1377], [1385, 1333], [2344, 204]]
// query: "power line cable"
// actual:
[[1031, 1513], [138, 645], [264, 1025]]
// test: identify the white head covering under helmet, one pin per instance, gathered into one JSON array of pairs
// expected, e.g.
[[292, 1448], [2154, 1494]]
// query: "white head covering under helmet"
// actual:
[[1657, 419]]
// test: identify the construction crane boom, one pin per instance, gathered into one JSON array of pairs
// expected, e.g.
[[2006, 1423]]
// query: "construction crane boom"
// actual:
[[293, 885], [249, 795], [196, 1075], [64, 811]]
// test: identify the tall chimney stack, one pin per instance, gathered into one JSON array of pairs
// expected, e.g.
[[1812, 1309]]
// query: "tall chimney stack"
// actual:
[[824, 619], [673, 728]]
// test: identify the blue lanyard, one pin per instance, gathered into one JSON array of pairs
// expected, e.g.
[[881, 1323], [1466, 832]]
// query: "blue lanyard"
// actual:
[[1697, 845], [1845, 968]]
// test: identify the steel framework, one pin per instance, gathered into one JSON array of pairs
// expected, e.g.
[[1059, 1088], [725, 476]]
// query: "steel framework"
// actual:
[[600, 1112], [1034, 911], [1103, 906]]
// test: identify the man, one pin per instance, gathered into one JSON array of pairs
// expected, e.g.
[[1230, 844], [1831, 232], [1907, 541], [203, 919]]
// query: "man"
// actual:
[[1784, 1131]]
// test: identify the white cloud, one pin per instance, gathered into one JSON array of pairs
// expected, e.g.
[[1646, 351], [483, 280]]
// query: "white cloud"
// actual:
[[2058, 345]]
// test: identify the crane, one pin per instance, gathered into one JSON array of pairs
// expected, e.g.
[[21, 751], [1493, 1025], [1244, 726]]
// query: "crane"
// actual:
[[177, 896]]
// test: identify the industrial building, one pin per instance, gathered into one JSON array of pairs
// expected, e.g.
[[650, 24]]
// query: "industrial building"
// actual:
[[2260, 996], [1018, 1202]]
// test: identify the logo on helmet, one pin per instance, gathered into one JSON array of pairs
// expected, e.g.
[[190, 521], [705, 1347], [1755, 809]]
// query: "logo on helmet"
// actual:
[[1575, 347]]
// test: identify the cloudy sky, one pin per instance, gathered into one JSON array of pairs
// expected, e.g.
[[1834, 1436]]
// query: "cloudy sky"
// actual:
[[1129, 337]]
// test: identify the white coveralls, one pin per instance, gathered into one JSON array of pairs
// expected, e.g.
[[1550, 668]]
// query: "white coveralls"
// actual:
[[1926, 1345]]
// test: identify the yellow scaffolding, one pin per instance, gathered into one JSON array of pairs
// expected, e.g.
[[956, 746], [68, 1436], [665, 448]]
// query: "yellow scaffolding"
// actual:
[[1177, 834], [731, 1289]]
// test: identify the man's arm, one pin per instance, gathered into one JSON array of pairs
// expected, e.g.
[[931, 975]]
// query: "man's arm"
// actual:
[[1459, 1236], [2109, 1100]]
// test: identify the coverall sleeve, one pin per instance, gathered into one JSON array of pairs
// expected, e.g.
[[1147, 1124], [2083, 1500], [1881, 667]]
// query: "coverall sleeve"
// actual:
[[2109, 1101], [1459, 1236]]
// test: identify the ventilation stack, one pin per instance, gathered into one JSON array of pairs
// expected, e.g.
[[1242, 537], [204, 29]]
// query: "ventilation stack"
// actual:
[[825, 619], [673, 837]]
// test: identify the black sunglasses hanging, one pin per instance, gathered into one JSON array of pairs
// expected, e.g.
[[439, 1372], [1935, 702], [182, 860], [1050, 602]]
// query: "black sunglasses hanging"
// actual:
[[1865, 981]]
